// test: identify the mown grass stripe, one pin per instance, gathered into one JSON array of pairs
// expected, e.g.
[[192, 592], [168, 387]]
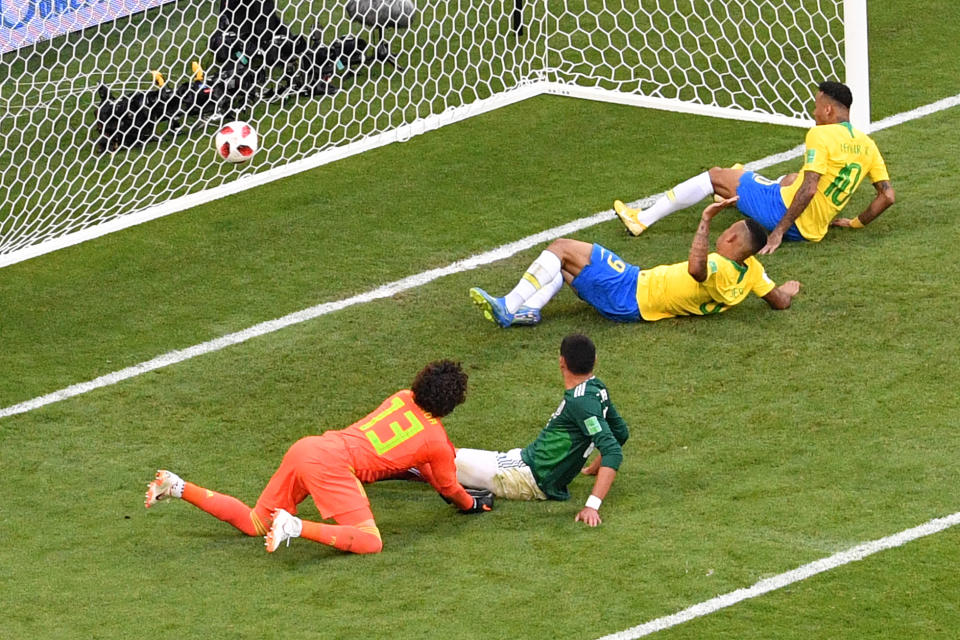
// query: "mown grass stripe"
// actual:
[[500, 253]]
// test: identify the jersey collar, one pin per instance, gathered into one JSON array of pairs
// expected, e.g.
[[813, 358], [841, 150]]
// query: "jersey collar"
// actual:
[[741, 268]]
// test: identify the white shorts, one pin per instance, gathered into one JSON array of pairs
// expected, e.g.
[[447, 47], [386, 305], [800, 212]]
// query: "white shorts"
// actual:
[[505, 474]]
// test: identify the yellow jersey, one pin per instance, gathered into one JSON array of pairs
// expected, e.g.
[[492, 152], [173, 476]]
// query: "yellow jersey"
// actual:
[[842, 156], [669, 290]]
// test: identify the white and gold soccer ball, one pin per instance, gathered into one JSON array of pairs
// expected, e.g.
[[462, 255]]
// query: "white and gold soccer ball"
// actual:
[[236, 141]]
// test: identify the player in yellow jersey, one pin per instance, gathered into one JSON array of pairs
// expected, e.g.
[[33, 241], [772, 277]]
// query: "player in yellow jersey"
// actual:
[[800, 206], [707, 283]]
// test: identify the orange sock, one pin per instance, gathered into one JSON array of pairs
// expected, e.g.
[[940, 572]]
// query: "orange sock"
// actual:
[[359, 539], [226, 508]]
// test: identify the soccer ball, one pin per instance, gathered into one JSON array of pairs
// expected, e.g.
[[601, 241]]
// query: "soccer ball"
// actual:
[[236, 141]]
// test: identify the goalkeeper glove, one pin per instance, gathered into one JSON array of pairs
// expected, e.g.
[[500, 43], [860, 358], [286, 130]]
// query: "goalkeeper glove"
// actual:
[[482, 501]]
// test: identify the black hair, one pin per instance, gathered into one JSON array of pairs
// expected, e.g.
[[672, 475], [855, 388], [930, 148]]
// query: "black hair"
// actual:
[[837, 91], [579, 353], [439, 387], [758, 235]]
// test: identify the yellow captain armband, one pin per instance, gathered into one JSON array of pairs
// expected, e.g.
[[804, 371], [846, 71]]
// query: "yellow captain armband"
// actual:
[[855, 223]]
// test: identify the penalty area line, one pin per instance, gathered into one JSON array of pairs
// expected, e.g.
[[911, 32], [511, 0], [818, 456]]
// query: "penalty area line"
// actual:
[[767, 585]]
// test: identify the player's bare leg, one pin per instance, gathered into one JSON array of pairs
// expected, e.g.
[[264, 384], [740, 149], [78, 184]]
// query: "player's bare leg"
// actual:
[[726, 181], [574, 256], [721, 179]]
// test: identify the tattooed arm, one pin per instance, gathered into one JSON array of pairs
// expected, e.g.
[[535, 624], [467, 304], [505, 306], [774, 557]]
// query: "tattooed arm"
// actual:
[[697, 264], [884, 198]]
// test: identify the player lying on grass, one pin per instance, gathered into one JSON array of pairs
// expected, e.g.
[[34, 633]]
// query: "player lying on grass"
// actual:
[[405, 431], [704, 285], [800, 206], [585, 420]]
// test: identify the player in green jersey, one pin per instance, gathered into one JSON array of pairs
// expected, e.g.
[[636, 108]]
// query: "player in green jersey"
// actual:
[[585, 420]]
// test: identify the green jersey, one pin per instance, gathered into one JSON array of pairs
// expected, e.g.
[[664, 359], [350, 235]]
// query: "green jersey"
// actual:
[[585, 419]]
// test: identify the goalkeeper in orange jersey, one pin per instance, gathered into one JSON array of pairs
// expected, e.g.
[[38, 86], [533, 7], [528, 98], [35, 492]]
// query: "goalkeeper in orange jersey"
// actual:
[[403, 432], [586, 420], [799, 206]]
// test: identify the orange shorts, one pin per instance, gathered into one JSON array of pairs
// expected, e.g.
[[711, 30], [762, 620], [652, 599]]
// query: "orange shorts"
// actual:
[[317, 466]]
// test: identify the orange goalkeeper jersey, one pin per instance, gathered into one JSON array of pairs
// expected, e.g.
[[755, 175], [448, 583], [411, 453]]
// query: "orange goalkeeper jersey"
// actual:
[[399, 435]]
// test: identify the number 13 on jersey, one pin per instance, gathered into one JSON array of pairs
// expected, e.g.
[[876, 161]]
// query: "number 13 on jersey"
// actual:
[[391, 427]]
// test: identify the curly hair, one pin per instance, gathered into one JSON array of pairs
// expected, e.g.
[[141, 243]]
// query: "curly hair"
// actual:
[[440, 387]]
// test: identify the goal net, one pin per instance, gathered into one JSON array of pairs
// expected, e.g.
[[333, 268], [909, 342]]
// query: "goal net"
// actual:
[[750, 59], [108, 107]]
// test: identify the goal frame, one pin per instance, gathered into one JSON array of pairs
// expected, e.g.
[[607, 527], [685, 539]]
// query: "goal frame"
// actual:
[[856, 64]]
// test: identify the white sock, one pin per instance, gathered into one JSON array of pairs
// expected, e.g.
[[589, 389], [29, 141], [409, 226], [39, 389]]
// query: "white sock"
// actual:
[[176, 488], [686, 194], [546, 292], [541, 271]]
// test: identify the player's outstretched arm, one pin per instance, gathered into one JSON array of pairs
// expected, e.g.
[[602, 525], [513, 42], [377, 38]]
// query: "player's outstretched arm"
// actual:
[[590, 514], [881, 202], [782, 296]]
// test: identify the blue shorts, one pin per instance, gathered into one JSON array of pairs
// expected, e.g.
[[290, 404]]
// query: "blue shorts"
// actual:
[[609, 285], [760, 199]]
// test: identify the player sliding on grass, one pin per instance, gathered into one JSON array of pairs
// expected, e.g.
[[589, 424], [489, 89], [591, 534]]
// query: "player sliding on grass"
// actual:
[[704, 285], [585, 420], [797, 206], [405, 431]]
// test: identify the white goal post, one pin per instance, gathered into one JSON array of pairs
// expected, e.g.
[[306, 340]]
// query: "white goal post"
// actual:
[[108, 107]]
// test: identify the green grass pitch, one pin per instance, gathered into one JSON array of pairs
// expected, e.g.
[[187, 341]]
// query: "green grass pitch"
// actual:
[[760, 440]]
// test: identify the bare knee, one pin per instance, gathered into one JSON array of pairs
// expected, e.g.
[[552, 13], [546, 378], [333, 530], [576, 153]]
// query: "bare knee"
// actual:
[[568, 249], [573, 254], [725, 181], [559, 246]]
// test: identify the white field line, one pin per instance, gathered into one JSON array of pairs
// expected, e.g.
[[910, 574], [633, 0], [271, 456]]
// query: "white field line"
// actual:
[[767, 585], [500, 253], [385, 291], [914, 114]]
